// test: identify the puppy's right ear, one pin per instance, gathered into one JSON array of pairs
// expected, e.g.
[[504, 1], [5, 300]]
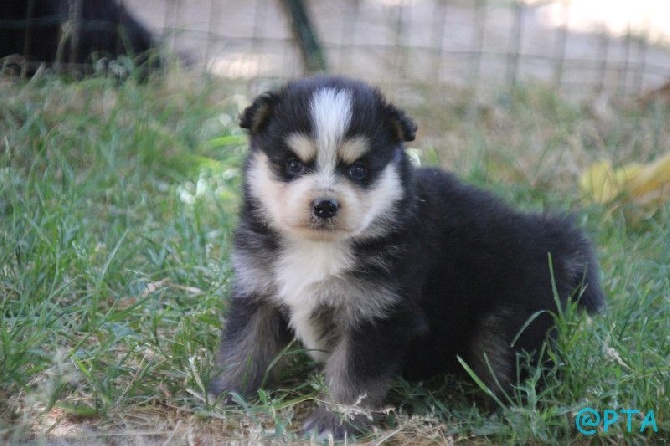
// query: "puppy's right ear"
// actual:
[[256, 116], [404, 126]]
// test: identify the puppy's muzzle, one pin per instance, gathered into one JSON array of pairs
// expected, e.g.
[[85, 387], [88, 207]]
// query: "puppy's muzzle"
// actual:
[[325, 208]]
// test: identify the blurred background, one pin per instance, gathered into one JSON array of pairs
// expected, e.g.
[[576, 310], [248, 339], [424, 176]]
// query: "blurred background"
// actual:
[[578, 47], [460, 67]]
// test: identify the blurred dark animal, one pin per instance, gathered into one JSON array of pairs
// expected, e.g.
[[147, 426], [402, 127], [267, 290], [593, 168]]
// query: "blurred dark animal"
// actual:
[[660, 95], [81, 32]]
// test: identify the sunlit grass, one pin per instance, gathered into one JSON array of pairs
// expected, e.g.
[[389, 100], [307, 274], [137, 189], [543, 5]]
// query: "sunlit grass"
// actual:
[[117, 204]]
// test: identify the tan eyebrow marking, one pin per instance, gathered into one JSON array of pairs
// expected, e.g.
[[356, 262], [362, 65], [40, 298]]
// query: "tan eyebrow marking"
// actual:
[[302, 145], [353, 148], [306, 149]]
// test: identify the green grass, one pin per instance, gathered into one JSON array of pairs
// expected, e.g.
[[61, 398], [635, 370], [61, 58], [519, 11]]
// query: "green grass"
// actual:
[[117, 205]]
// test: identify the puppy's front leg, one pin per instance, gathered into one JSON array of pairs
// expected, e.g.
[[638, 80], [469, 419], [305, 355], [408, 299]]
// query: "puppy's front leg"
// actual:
[[254, 334], [358, 374]]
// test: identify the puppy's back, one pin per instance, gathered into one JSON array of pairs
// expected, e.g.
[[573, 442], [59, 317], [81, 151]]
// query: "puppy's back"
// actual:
[[501, 248]]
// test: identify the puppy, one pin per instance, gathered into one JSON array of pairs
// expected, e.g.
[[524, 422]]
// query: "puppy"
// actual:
[[37, 30], [377, 267]]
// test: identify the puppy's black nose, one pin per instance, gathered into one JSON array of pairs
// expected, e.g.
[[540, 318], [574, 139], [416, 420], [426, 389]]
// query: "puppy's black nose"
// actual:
[[325, 208]]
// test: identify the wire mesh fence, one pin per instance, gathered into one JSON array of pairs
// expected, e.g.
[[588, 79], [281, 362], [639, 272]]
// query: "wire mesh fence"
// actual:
[[577, 46]]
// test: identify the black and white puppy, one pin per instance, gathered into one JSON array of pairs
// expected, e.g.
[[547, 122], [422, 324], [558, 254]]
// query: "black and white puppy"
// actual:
[[377, 267]]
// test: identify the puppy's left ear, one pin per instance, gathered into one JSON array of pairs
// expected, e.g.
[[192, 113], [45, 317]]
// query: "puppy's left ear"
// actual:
[[403, 124]]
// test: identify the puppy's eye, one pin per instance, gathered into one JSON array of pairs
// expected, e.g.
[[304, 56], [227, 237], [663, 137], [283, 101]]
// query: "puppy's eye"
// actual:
[[294, 167], [358, 171]]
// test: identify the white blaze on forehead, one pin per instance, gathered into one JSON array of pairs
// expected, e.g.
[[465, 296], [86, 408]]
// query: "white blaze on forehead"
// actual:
[[331, 114]]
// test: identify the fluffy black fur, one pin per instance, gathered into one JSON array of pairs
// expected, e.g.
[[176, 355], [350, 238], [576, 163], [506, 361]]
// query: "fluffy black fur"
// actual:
[[34, 29], [465, 271]]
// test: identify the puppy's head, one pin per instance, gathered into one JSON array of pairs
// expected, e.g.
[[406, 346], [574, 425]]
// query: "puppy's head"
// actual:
[[327, 158]]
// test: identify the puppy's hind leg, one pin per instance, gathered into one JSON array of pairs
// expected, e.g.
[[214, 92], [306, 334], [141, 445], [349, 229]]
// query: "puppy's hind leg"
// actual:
[[254, 334], [499, 337]]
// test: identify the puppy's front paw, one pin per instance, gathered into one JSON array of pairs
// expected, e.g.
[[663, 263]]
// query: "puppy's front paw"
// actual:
[[222, 391], [324, 423]]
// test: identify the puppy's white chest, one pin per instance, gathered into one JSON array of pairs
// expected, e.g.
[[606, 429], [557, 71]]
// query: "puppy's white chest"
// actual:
[[308, 275]]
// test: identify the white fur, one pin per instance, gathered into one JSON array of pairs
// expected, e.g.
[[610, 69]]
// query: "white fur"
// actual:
[[266, 189], [307, 276], [331, 114], [382, 202]]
